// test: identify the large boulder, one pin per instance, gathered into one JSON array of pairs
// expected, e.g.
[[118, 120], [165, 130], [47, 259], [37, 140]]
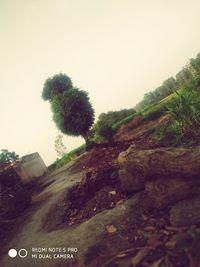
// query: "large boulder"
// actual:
[[186, 212], [164, 192], [138, 166]]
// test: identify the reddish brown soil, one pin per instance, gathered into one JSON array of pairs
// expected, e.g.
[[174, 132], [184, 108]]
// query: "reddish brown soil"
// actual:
[[98, 190], [101, 155], [92, 194], [105, 155], [106, 198], [151, 243]]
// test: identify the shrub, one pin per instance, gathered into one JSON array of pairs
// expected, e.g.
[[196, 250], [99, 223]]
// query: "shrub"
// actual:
[[106, 131], [154, 114], [185, 109]]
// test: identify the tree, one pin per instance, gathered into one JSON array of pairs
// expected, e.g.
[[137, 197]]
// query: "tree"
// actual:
[[60, 148], [7, 157], [72, 112], [55, 85]]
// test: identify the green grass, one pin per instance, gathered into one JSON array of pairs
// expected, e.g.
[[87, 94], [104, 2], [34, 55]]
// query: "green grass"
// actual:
[[126, 120], [67, 158], [151, 112], [156, 110], [184, 109]]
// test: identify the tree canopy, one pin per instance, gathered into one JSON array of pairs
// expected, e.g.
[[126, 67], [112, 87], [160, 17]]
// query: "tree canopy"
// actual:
[[55, 85], [7, 156], [73, 113]]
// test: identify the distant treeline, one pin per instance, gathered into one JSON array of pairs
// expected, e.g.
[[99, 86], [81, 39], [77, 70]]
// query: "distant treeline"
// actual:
[[190, 71]]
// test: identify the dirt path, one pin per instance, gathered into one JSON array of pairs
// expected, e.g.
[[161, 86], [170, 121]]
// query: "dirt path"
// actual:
[[82, 236], [31, 233], [124, 230]]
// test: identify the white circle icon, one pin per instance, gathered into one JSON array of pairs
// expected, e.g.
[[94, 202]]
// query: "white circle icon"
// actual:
[[12, 253], [22, 253]]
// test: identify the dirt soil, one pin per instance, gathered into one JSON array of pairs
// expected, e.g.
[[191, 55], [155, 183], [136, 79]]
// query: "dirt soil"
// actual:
[[99, 186], [102, 155], [81, 205], [70, 212]]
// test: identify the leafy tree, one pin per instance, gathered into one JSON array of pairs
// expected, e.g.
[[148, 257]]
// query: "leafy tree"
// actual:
[[7, 157], [60, 148], [72, 112], [183, 76], [195, 62], [55, 85]]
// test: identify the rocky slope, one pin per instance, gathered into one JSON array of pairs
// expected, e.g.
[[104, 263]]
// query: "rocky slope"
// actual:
[[130, 203]]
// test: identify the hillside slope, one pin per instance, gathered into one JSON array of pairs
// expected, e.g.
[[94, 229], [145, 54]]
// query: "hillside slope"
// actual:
[[89, 205]]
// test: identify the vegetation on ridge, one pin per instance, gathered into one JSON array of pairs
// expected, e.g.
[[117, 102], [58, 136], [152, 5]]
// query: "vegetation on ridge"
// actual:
[[179, 98]]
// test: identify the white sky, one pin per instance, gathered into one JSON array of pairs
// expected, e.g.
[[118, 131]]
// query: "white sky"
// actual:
[[115, 49]]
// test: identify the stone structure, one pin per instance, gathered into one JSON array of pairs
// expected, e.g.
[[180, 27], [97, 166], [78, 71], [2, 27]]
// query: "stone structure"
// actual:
[[30, 166]]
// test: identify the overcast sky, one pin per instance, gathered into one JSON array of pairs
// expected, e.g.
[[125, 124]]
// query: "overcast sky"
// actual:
[[115, 49]]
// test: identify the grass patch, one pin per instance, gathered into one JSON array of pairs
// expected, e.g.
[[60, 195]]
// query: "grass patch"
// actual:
[[126, 120], [151, 112], [155, 111], [184, 110], [67, 158]]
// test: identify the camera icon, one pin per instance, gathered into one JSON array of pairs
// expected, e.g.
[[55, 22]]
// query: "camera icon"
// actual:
[[22, 253]]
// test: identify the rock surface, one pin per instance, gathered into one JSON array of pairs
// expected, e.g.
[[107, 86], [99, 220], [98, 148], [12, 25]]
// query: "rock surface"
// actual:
[[186, 212]]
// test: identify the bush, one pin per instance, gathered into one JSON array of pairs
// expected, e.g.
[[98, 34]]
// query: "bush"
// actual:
[[168, 135], [105, 131], [185, 109], [105, 128], [154, 114]]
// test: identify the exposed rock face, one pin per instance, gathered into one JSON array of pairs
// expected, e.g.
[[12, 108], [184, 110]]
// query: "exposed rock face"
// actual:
[[130, 183], [92, 182], [167, 176], [164, 192], [161, 162], [186, 212], [110, 235], [124, 129]]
